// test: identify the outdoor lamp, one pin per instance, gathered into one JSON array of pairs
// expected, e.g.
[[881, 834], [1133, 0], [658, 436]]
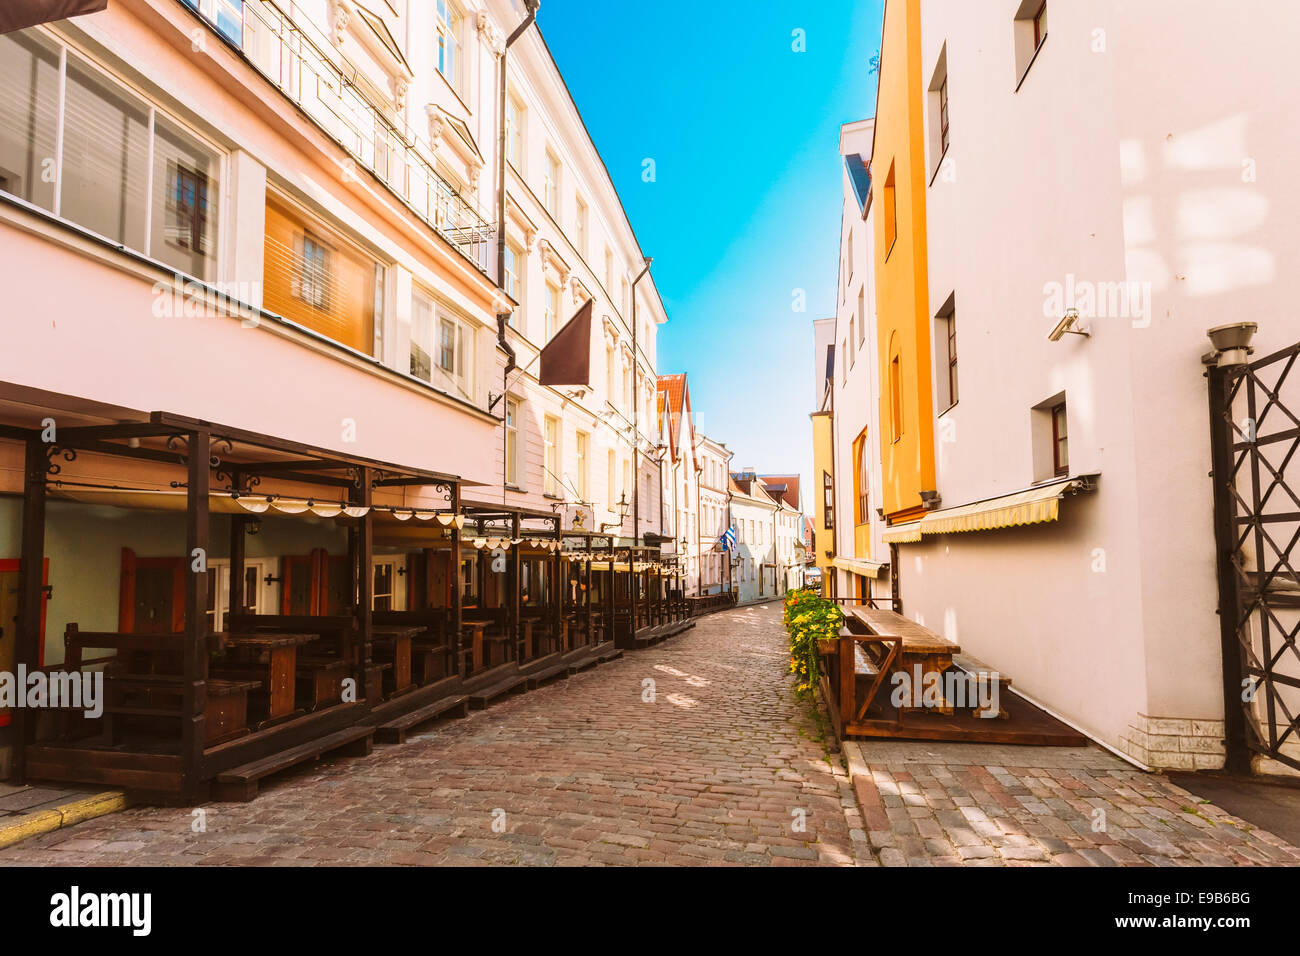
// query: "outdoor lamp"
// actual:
[[1232, 343]]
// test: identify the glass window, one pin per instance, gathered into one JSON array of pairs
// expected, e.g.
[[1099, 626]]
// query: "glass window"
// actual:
[[447, 346], [184, 203], [105, 157], [552, 196], [449, 34], [422, 338], [512, 442], [515, 133], [29, 117], [313, 272], [1060, 441], [580, 454], [514, 277], [551, 307], [552, 482]]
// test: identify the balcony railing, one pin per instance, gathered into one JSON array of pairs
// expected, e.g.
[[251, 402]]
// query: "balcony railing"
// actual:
[[303, 64]]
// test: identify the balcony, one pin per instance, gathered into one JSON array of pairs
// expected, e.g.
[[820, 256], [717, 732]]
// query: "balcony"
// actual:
[[305, 67]]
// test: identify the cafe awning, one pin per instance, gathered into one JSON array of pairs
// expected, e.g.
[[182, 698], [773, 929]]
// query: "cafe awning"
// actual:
[[1035, 505], [902, 533], [861, 566]]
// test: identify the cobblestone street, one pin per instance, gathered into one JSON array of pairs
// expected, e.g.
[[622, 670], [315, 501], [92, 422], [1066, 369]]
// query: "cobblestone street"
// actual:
[[723, 767]]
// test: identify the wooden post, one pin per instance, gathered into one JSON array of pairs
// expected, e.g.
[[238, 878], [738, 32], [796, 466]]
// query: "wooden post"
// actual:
[[365, 578], [513, 614], [194, 690], [238, 552], [30, 569], [847, 681], [590, 635], [453, 573]]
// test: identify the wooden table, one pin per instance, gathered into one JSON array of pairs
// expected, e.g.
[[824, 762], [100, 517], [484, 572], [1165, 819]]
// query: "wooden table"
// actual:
[[921, 646], [394, 641], [273, 657]]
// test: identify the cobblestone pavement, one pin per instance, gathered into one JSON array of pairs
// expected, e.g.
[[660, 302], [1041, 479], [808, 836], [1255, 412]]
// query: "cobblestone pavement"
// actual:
[[724, 767], [969, 804]]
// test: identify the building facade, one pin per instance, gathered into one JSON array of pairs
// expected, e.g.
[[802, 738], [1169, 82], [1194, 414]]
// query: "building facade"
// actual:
[[1042, 421]]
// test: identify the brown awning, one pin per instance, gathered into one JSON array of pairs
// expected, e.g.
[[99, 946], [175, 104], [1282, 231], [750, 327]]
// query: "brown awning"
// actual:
[[19, 14], [566, 359]]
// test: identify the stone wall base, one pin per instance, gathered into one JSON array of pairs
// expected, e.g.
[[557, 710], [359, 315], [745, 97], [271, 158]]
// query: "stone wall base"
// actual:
[[1175, 743]]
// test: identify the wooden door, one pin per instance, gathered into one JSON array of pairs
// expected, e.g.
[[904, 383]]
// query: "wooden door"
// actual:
[[9, 604], [299, 590], [152, 597]]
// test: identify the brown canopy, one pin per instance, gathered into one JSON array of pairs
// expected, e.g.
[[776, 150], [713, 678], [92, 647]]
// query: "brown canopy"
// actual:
[[18, 14]]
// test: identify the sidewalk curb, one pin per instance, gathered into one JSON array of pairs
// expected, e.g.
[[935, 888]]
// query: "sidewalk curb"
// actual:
[[65, 815]]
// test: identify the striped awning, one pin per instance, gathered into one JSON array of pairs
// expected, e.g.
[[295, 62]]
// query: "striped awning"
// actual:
[[1032, 506], [902, 533], [861, 566]]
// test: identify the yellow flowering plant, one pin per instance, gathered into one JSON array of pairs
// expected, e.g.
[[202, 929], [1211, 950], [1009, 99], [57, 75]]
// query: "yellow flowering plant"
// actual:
[[809, 618]]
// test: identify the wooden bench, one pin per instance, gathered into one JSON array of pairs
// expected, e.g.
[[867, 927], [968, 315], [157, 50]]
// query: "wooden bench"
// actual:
[[319, 681], [479, 697], [394, 731], [983, 677], [239, 784]]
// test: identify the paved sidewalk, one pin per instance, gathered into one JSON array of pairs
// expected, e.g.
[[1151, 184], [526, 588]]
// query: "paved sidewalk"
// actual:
[[930, 804]]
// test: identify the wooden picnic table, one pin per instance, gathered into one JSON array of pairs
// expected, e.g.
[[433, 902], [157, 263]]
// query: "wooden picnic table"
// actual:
[[477, 630], [272, 658], [921, 646]]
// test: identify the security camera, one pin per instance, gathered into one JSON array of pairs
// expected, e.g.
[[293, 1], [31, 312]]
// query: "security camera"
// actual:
[[1069, 323]]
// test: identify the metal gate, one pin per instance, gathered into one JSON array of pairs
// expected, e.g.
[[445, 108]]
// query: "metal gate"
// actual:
[[1255, 445]]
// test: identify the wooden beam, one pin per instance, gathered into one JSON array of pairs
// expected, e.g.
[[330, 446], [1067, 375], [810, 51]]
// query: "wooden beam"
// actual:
[[453, 575]]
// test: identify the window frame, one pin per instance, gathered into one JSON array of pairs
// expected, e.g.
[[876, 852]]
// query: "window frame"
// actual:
[[1060, 435], [510, 422], [551, 437]]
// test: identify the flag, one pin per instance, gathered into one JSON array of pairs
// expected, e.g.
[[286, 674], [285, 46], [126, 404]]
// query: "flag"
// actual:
[[566, 359], [728, 538], [20, 14]]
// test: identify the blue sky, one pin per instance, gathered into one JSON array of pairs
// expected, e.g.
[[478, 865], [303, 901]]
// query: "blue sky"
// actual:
[[745, 208]]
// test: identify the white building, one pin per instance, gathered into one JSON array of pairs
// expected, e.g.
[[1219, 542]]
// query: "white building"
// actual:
[[713, 459]]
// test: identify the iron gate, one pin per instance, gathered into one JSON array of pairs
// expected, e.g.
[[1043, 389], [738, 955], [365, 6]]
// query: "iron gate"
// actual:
[[1255, 440]]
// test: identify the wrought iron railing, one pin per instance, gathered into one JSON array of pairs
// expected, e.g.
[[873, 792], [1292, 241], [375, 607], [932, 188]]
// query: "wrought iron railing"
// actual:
[[304, 65]]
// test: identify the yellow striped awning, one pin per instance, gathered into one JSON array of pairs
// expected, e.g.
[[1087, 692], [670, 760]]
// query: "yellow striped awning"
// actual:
[[902, 533], [868, 569], [1031, 506]]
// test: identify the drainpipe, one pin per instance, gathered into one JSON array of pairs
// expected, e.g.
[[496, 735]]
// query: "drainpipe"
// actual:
[[532, 6], [636, 403]]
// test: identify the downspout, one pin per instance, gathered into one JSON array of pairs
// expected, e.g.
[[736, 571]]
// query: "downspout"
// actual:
[[532, 6], [636, 403]]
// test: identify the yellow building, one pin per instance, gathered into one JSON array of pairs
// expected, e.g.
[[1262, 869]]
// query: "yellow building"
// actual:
[[902, 301], [823, 490]]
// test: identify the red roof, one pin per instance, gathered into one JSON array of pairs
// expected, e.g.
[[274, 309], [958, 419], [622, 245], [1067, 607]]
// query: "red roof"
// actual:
[[674, 390]]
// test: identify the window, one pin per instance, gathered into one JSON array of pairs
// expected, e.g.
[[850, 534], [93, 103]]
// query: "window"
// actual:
[[627, 385], [1060, 442], [609, 270], [125, 170], [890, 213], [943, 116], [581, 463], [227, 15], [611, 476], [515, 133], [447, 345], [384, 584], [627, 307], [895, 396], [862, 317], [552, 191], [512, 443], [313, 267], [945, 337], [514, 276], [551, 485], [551, 307], [853, 353], [1030, 29], [863, 477], [848, 259], [580, 227], [449, 23], [828, 500], [442, 347]]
